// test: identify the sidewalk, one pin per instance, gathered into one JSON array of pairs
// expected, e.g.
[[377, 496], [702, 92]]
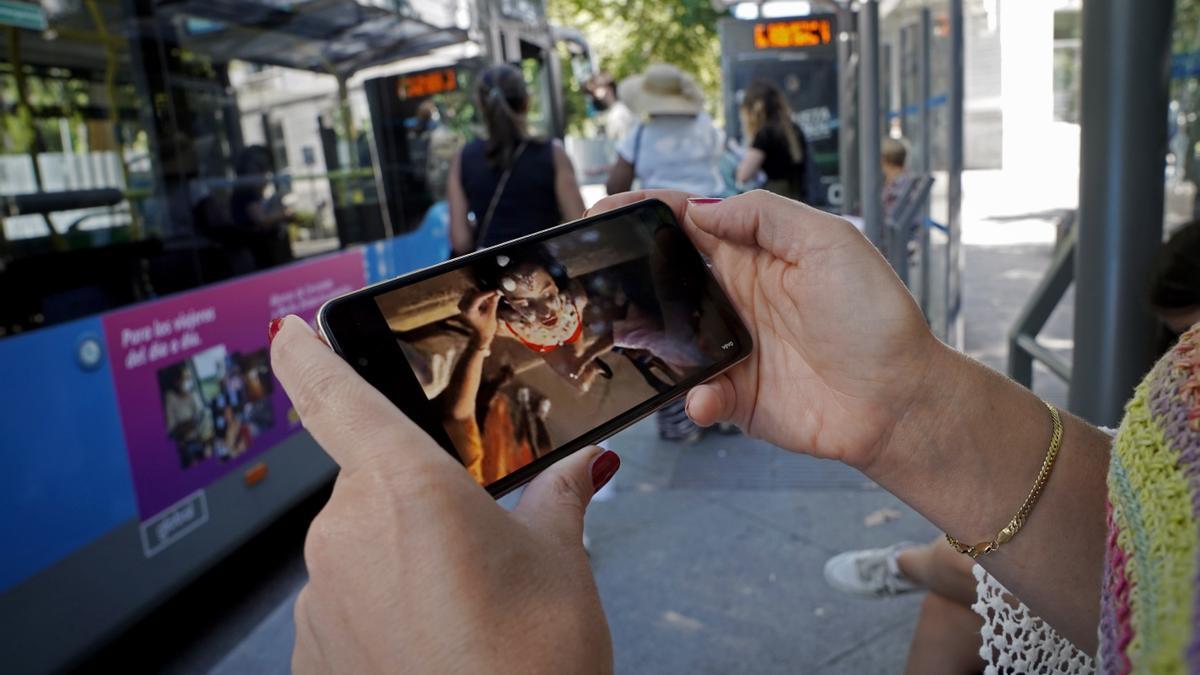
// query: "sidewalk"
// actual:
[[709, 560]]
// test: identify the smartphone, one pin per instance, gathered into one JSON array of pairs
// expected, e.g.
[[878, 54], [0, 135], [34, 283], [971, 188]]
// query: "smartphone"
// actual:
[[515, 356]]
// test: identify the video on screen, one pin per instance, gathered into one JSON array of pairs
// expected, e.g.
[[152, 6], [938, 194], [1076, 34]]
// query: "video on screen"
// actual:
[[215, 403], [526, 350]]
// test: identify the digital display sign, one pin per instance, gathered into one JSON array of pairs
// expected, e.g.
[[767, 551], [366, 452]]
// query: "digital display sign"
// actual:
[[427, 83], [792, 33]]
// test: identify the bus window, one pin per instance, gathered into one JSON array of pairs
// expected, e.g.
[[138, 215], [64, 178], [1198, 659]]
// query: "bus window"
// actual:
[[200, 146]]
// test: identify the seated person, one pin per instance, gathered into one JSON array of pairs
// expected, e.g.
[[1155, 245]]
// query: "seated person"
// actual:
[[896, 183]]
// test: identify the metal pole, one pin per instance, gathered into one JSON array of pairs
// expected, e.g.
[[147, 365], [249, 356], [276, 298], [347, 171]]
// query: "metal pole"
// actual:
[[1124, 94], [868, 120], [955, 163], [902, 68], [925, 127], [847, 111]]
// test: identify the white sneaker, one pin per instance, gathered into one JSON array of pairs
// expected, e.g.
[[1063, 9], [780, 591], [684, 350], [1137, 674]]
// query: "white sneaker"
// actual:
[[873, 573]]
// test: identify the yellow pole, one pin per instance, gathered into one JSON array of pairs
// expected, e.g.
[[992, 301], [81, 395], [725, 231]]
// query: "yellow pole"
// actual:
[[25, 113], [110, 92], [347, 189]]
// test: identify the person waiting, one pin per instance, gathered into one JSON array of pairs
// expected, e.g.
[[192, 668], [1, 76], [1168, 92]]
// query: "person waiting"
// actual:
[[893, 159], [776, 144], [514, 183], [676, 146]]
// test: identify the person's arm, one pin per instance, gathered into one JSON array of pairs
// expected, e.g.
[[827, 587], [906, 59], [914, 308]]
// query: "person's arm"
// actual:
[[844, 367], [459, 397], [462, 239], [750, 165], [967, 453], [620, 176], [599, 347], [263, 218], [566, 189]]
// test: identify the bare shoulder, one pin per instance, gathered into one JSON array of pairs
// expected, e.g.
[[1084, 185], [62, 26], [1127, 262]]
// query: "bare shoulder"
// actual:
[[561, 159]]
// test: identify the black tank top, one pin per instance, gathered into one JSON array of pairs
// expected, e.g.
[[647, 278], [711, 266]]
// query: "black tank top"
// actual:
[[528, 203]]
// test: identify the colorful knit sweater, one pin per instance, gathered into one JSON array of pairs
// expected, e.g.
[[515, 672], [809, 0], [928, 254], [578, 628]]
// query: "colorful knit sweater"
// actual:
[[1151, 596]]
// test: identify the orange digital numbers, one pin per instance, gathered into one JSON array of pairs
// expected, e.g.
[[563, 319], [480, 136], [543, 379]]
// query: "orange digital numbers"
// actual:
[[795, 33], [427, 84]]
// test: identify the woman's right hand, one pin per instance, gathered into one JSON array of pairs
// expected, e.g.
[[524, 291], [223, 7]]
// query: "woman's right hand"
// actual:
[[845, 368], [842, 353], [479, 311]]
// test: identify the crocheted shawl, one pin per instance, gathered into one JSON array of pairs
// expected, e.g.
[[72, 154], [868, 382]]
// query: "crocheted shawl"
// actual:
[[1151, 595]]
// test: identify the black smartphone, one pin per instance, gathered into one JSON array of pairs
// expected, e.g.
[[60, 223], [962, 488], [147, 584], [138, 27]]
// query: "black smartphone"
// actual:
[[515, 356]]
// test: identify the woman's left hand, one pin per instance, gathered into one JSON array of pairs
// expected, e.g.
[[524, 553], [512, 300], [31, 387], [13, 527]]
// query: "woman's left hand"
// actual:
[[414, 568]]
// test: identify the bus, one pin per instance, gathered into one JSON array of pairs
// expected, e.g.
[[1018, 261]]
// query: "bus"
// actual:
[[174, 174]]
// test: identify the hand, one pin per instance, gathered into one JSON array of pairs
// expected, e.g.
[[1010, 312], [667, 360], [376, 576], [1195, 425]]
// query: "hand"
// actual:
[[479, 311], [414, 568], [841, 350]]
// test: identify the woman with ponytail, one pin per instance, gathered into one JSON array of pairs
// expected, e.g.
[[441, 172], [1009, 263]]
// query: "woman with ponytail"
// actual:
[[513, 183], [775, 144]]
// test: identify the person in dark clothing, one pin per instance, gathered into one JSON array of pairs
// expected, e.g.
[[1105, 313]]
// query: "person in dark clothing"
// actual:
[[776, 144], [513, 183], [261, 220], [1174, 289]]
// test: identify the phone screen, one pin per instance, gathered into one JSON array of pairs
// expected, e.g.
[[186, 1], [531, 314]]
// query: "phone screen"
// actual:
[[524, 350]]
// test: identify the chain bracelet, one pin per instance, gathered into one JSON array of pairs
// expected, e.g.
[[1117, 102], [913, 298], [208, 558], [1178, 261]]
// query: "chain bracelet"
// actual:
[[1009, 531]]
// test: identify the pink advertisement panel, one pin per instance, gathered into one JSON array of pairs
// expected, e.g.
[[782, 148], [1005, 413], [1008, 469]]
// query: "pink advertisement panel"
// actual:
[[193, 377]]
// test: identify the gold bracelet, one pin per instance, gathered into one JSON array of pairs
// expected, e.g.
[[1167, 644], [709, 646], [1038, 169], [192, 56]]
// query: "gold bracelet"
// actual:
[[1003, 536]]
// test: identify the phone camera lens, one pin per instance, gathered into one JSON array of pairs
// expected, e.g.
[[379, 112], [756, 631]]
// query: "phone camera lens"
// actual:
[[362, 361]]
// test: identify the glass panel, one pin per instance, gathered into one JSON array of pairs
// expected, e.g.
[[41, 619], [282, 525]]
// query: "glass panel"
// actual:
[[1068, 61], [1183, 123], [172, 145]]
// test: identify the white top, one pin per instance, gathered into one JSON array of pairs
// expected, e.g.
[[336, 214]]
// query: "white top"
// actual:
[[1016, 641], [676, 153]]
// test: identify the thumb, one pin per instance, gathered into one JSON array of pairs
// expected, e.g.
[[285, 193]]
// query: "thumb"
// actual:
[[784, 228], [712, 402], [556, 500]]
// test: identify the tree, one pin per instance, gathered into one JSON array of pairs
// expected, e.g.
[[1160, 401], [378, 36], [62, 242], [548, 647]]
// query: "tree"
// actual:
[[1185, 88], [628, 35]]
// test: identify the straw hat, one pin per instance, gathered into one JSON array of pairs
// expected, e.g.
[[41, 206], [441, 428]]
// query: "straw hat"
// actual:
[[662, 90]]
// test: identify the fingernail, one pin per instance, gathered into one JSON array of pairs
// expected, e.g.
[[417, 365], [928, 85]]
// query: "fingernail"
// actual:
[[704, 200], [273, 328], [603, 469]]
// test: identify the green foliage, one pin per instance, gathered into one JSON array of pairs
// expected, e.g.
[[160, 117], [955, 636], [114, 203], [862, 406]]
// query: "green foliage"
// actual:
[[1186, 92], [575, 97], [1187, 26], [21, 131], [628, 35]]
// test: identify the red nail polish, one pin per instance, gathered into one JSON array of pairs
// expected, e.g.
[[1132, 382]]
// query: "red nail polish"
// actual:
[[272, 329], [603, 469], [705, 200]]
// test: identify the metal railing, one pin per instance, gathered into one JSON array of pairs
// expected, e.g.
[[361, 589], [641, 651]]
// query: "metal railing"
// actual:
[[910, 210], [1023, 346]]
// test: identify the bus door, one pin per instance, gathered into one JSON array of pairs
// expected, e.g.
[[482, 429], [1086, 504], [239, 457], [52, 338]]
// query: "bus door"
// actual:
[[800, 56], [419, 121]]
